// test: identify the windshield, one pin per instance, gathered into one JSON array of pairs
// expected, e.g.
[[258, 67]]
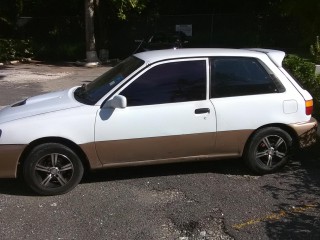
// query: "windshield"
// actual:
[[95, 90]]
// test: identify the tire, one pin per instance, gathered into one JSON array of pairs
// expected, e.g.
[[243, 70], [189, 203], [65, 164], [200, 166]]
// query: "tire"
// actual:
[[52, 169], [268, 150]]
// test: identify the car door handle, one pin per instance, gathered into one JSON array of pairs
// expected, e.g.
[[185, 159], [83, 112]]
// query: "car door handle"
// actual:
[[202, 110]]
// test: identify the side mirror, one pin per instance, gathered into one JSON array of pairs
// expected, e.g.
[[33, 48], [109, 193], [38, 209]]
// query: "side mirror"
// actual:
[[117, 101]]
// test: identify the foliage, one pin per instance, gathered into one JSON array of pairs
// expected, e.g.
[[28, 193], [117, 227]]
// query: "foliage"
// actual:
[[60, 50], [315, 51], [302, 70], [317, 103], [11, 49], [125, 6]]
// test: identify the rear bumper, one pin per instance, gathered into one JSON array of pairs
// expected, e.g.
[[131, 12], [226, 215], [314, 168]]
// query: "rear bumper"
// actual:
[[306, 132], [9, 159]]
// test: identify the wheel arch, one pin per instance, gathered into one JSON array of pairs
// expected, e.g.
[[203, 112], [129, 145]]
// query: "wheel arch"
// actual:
[[282, 126], [66, 142]]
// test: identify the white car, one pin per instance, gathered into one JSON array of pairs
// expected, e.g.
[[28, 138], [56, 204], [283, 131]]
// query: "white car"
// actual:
[[160, 107]]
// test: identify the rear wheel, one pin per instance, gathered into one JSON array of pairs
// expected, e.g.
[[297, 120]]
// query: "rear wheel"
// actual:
[[268, 150], [52, 169]]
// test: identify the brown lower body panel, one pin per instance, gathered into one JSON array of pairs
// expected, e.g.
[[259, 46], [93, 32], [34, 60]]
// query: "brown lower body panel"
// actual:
[[231, 142], [172, 148], [9, 159], [132, 150], [89, 150]]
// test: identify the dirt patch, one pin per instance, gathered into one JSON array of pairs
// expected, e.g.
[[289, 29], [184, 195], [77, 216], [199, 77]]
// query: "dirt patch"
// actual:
[[22, 76]]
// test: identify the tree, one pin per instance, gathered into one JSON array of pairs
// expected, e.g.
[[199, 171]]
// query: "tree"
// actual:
[[122, 7], [91, 52]]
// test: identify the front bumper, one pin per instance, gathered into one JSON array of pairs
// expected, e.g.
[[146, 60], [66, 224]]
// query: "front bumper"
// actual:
[[306, 132], [9, 159]]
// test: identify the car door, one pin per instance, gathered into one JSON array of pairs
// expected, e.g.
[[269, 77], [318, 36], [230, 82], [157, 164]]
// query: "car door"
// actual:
[[246, 96], [168, 116]]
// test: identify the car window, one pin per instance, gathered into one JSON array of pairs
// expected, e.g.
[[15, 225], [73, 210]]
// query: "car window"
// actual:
[[238, 76], [168, 83], [98, 88]]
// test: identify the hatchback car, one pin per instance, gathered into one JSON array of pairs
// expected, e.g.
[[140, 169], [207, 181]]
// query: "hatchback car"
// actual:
[[160, 107]]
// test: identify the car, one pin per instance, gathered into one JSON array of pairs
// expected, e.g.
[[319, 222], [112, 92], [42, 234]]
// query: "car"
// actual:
[[162, 40], [158, 107]]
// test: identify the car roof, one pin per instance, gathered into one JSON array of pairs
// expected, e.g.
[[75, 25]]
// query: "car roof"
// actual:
[[154, 56]]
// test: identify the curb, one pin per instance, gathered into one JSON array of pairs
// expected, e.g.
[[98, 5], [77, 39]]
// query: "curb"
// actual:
[[87, 64], [12, 62]]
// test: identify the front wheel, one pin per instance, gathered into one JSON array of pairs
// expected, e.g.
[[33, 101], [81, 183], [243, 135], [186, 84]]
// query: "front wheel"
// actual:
[[269, 149], [52, 169]]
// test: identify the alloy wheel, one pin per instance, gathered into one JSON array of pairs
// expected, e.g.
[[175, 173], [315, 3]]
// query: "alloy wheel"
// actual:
[[54, 170], [271, 150]]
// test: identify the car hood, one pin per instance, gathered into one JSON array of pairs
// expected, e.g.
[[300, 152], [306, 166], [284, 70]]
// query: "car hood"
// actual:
[[41, 104]]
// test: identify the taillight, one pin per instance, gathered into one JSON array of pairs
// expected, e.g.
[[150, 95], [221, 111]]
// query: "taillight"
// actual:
[[309, 107]]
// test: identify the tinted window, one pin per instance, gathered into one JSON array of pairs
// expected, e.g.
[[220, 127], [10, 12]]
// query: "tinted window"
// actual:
[[168, 83], [240, 76]]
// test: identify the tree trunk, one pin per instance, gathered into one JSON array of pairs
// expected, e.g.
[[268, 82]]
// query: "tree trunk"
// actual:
[[102, 38], [91, 53]]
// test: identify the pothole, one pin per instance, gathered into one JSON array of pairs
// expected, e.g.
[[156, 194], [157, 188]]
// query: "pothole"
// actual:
[[160, 197], [209, 228]]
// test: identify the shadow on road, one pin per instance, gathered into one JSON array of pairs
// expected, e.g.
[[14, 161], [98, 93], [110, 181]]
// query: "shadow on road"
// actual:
[[302, 183], [230, 167], [15, 187]]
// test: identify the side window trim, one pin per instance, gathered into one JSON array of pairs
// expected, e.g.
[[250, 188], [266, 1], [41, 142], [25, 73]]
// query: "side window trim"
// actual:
[[208, 78]]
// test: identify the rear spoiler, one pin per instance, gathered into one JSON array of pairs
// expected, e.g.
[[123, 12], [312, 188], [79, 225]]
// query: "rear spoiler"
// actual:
[[275, 56]]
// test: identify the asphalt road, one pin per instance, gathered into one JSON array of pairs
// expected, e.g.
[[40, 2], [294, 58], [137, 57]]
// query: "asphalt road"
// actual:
[[192, 201]]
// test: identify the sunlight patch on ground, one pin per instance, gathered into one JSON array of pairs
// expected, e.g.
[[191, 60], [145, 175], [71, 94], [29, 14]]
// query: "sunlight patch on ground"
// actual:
[[21, 76]]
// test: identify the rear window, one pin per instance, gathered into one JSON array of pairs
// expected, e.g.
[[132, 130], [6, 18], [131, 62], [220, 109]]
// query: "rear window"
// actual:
[[294, 78], [239, 76]]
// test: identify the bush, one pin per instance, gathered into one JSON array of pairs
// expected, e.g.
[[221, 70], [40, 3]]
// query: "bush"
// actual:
[[66, 51], [315, 51], [11, 49], [304, 72]]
